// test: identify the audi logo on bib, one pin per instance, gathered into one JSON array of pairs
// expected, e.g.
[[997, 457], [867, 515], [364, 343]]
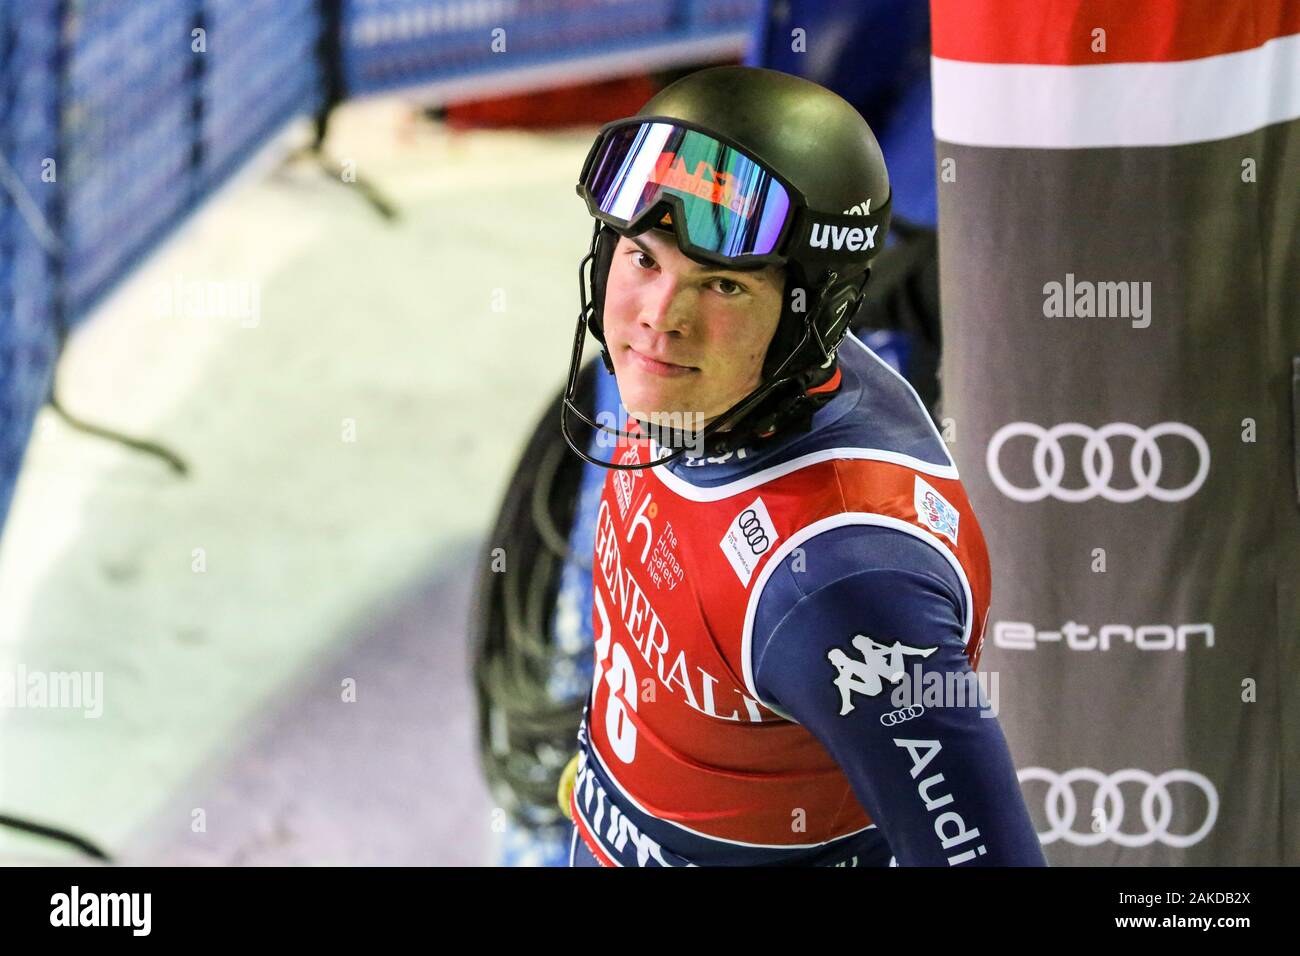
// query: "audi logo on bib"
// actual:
[[752, 529], [1105, 817], [1048, 461], [749, 537]]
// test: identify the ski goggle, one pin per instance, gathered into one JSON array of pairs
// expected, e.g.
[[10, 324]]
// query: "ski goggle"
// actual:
[[726, 206]]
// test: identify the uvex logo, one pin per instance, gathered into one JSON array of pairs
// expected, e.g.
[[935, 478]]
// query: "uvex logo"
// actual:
[[852, 239]]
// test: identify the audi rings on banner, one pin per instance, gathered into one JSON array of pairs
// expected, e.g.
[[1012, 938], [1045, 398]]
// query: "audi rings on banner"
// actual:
[[1145, 461], [1157, 806]]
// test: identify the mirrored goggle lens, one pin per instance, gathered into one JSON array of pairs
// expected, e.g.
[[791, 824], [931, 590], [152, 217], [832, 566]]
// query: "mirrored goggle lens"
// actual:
[[732, 206]]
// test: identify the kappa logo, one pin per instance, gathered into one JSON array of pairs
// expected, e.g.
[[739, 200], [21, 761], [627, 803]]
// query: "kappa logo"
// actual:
[[750, 536], [934, 512], [880, 663], [848, 238]]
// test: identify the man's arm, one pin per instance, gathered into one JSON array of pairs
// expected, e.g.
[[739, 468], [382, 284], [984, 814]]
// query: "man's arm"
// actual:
[[937, 779]]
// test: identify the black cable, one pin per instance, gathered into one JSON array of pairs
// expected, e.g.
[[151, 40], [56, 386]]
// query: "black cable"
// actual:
[[333, 81], [56, 834], [329, 59], [543, 520], [526, 734], [57, 254], [173, 460]]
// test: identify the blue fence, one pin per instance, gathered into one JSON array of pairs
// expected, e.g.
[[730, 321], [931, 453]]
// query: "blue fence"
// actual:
[[119, 117], [398, 43]]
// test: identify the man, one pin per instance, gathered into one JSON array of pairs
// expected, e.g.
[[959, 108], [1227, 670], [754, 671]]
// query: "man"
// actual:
[[773, 611]]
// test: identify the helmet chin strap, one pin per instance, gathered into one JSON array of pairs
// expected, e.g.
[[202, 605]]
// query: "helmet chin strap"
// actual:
[[730, 417]]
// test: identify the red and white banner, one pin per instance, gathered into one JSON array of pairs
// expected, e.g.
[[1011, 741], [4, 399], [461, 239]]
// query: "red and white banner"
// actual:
[[1062, 75]]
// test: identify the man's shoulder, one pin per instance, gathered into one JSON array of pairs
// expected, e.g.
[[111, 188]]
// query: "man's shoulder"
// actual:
[[853, 579], [864, 564], [885, 416]]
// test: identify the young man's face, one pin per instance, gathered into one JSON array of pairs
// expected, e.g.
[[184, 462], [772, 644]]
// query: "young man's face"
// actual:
[[686, 339]]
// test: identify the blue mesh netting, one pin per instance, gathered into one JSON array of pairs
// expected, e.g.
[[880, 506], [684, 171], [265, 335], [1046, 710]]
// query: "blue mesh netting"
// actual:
[[394, 43], [28, 286]]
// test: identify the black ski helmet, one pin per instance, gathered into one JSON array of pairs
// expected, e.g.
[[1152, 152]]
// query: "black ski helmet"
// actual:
[[802, 143]]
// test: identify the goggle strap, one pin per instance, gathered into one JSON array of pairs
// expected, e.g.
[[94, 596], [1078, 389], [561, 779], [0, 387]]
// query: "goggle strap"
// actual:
[[824, 238]]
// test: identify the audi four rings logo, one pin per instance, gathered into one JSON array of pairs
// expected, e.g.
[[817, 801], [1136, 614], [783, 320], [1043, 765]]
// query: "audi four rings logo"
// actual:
[[895, 717], [1156, 805], [1145, 461], [752, 528]]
